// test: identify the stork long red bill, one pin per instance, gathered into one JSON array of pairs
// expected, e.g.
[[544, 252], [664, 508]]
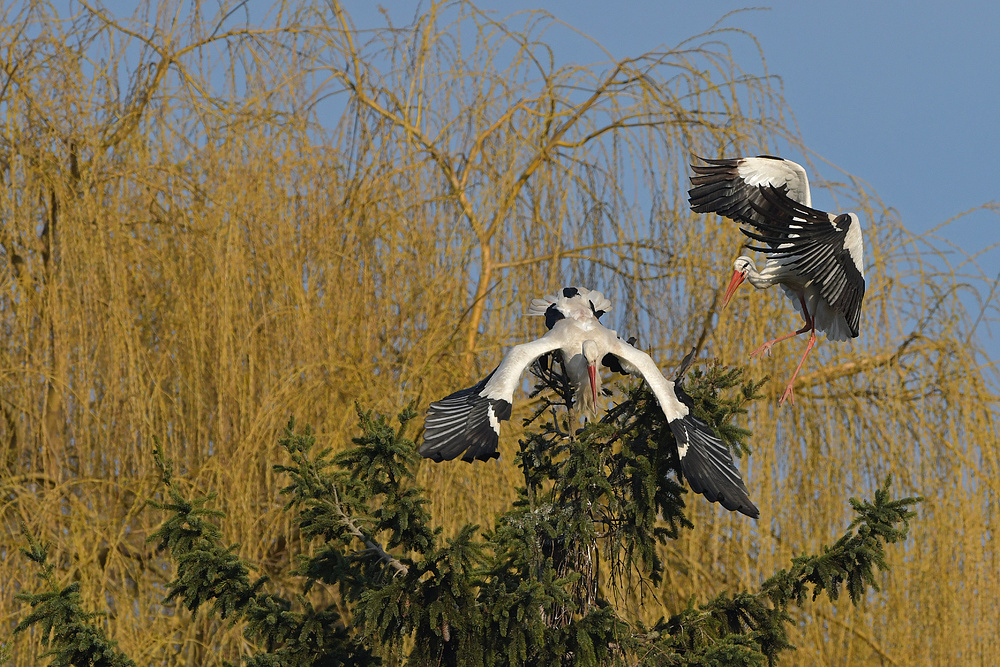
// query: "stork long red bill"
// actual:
[[734, 283], [592, 372]]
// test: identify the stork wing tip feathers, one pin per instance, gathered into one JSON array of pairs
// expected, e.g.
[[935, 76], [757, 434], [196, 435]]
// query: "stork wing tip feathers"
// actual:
[[708, 466], [464, 423]]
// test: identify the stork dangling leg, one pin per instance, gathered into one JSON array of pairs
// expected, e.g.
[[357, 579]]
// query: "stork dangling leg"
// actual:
[[787, 395], [810, 325]]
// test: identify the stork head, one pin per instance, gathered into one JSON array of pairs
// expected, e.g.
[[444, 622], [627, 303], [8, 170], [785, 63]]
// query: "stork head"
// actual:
[[592, 355], [741, 267]]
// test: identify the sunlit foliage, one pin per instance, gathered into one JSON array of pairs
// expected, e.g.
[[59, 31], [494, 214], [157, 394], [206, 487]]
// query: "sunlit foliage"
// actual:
[[212, 220]]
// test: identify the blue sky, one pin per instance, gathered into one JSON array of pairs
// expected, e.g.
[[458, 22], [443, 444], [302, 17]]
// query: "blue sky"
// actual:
[[904, 96], [907, 100]]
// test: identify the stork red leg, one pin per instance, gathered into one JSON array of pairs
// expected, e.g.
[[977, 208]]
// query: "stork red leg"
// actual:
[[788, 389], [810, 325], [766, 347]]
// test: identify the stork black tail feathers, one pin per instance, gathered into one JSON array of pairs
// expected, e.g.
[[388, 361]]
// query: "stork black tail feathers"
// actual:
[[708, 466]]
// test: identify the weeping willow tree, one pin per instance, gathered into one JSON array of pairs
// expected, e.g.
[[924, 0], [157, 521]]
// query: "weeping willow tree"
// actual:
[[212, 220]]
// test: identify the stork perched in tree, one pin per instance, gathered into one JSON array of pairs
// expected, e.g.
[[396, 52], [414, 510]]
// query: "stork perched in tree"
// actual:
[[816, 257], [467, 423]]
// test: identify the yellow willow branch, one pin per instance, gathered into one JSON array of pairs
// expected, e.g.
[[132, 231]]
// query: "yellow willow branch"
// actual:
[[853, 367], [486, 268], [573, 252], [478, 303], [872, 644], [546, 149]]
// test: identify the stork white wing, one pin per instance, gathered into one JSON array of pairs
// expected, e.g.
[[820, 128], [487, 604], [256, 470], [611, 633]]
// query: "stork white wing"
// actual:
[[705, 460], [468, 421]]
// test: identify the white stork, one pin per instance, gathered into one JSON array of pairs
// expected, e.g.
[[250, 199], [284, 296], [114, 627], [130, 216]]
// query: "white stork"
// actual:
[[816, 257], [467, 422]]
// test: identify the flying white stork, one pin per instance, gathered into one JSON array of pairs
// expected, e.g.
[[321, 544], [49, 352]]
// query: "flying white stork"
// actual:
[[816, 257], [467, 423]]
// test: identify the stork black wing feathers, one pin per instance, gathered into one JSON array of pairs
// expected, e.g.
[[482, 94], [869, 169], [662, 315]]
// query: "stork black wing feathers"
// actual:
[[708, 466], [465, 421], [718, 188], [815, 245], [707, 463]]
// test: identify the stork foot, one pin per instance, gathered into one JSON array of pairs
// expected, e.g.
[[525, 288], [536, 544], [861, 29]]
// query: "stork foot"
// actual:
[[787, 395], [764, 349]]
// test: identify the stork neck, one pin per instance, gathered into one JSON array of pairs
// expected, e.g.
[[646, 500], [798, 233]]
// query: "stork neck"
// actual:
[[762, 279]]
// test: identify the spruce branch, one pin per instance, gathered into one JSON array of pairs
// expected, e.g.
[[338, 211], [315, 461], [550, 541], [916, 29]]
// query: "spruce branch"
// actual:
[[365, 498], [370, 543], [852, 560], [206, 570], [437, 604], [761, 618], [66, 629]]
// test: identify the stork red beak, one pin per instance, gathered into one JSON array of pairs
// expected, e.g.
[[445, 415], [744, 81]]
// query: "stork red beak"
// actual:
[[592, 371], [734, 283]]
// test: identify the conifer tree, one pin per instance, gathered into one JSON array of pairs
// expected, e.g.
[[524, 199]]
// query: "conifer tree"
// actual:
[[527, 590]]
